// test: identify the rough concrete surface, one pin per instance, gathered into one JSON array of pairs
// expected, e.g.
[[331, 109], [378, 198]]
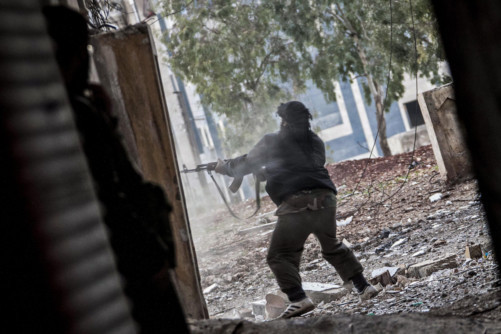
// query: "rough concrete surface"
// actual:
[[352, 324]]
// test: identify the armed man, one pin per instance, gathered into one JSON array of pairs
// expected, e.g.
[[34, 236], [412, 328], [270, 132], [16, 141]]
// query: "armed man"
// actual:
[[292, 162]]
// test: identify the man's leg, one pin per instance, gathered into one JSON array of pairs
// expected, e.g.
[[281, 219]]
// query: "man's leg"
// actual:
[[334, 251], [284, 253], [339, 255]]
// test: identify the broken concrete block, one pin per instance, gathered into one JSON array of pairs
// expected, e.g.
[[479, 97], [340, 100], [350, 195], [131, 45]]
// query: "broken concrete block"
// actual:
[[473, 252], [379, 271], [323, 292], [428, 267], [259, 308], [326, 296], [315, 286], [384, 279]]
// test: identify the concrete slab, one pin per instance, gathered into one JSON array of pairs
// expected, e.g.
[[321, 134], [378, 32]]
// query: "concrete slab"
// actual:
[[428, 267]]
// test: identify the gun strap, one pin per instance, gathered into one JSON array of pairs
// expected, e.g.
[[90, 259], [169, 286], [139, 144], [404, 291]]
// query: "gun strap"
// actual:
[[258, 198]]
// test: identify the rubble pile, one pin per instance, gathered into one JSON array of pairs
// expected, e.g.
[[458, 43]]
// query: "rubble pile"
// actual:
[[423, 243]]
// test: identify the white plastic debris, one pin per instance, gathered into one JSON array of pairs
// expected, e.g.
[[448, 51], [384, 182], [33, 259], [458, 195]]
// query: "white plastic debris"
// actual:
[[344, 222], [435, 197]]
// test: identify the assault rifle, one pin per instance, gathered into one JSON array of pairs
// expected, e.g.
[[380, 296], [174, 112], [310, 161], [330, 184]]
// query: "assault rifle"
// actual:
[[235, 184], [209, 167]]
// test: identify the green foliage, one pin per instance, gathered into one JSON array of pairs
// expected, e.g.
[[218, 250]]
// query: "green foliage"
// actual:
[[236, 56], [354, 38], [241, 54]]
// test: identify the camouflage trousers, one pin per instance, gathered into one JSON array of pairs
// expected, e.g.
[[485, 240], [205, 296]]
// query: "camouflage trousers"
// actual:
[[302, 214]]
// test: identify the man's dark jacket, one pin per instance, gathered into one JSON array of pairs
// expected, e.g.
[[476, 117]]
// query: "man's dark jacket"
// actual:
[[288, 166]]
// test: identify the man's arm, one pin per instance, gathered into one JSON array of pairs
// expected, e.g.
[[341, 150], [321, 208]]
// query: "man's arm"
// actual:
[[245, 164]]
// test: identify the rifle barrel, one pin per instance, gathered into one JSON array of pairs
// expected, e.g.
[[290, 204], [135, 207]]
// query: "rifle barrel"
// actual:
[[199, 168]]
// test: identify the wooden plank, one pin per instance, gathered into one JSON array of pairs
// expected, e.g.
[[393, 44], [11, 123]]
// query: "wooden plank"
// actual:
[[128, 69]]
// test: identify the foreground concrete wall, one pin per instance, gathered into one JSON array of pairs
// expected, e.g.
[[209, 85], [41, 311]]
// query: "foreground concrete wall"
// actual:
[[410, 323], [439, 112], [127, 68]]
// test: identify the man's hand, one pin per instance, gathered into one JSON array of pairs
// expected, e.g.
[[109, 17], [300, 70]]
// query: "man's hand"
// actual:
[[220, 167]]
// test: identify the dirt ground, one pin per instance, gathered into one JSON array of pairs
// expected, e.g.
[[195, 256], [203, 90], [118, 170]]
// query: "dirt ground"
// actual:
[[394, 212]]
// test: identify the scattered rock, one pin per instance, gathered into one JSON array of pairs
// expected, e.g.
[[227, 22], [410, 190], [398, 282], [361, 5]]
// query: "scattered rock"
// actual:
[[413, 220], [419, 253], [384, 279], [385, 233], [435, 197], [210, 288], [382, 248], [439, 243], [402, 281], [344, 222], [391, 270], [398, 242]]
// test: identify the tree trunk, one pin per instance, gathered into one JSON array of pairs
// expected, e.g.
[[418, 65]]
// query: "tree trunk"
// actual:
[[381, 123], [375, 89]]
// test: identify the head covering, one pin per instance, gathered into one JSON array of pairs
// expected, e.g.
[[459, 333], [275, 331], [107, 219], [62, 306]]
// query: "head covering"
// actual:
[[294, 112]]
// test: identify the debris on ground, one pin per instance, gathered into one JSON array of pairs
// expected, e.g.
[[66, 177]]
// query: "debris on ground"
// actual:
[[427, 238]]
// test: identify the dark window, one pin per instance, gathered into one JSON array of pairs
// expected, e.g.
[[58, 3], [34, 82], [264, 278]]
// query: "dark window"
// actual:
[[414, 113]]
